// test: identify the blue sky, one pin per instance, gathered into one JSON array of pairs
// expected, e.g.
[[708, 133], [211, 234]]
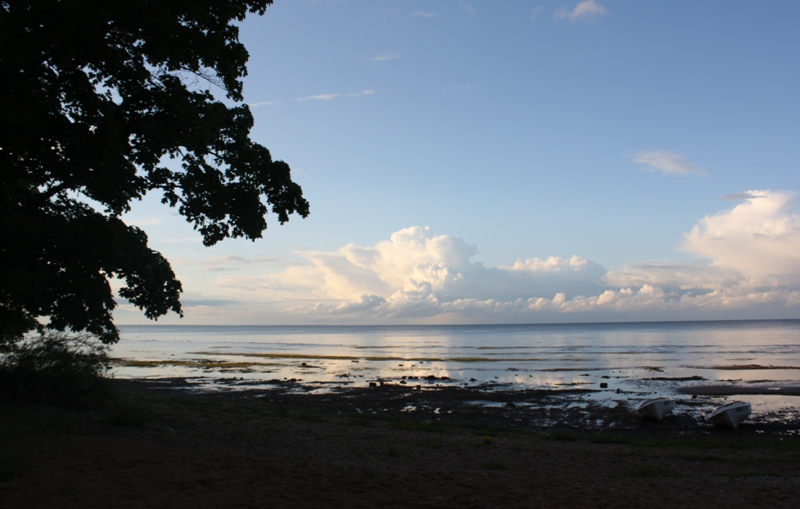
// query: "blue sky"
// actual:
[[516, 161]]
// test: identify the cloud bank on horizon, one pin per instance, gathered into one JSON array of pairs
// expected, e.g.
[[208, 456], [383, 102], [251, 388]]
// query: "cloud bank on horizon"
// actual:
[[749, 258]]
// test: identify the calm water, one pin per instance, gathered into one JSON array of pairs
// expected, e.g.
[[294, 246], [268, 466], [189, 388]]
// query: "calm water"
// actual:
[[629, 358]]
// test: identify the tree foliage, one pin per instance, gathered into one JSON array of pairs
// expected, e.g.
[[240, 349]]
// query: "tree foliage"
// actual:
[[102, 102]]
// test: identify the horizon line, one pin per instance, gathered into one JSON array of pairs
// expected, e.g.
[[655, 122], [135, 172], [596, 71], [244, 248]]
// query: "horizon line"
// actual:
[[466, 324]]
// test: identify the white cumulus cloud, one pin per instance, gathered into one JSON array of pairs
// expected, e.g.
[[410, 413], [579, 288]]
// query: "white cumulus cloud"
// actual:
[[416, 273], [749, 264], [752, 255], [760, 237]]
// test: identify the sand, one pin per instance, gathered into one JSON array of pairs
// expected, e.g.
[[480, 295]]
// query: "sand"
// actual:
[[285, 450]]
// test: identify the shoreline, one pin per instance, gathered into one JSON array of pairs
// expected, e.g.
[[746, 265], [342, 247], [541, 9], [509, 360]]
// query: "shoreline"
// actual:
[[501, 405], [616, 367], [740, 390]]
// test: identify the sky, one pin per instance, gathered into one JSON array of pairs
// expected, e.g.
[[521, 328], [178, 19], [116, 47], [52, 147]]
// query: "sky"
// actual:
[[476, 161]]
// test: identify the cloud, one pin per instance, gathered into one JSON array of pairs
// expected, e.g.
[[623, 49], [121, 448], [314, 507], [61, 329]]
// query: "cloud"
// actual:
[[673, 276], [215, 303], [320, 97], [263, 103], [230, 263], [383, 58], [418, 274], [588, 10], [423, 14], [467, 6], [748, 266], [760, 237], [739, 196], [669, 163], [535, 14], [328, 97], [416, 265], [753, 253]]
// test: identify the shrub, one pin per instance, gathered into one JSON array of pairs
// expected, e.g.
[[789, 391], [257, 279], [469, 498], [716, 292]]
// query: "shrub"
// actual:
[[53, 367]]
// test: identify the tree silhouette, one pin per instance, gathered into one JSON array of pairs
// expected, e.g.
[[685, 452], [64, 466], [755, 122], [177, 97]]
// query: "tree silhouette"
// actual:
[[102, 102]]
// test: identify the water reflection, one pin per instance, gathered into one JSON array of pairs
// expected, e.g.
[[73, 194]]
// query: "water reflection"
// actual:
[[621, 362]]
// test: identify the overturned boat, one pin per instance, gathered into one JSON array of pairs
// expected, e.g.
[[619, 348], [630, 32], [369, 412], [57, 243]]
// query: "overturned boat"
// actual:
[[730, 415], [655, 408]]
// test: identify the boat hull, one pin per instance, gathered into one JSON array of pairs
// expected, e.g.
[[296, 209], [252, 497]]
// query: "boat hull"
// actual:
[[730, 415], [655, 409]]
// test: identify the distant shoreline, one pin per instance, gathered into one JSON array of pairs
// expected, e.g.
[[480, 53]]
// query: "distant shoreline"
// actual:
[[462, 325]]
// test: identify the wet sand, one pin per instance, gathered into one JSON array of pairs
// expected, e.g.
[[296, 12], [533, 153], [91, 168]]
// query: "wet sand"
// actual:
[[358, 448], [738, 389], [595, 406]]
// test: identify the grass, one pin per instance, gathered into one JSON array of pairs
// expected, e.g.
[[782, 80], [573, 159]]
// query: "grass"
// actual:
[[561, 435], [129, 411], [753, 456], [727, 450], [637, 441], [737, 443], [18, 421], [694, 456], [10, 466], [312, 416], [428, 426], [710, 456], [755, 473], [494, 465], [647, 471], [361, 420]]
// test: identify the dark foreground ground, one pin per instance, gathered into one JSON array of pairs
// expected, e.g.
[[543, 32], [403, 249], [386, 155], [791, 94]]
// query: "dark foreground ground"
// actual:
[[159, 446]]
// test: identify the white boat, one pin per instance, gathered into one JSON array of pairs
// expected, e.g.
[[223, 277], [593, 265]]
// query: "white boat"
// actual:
[[655, 408], [730, 415]]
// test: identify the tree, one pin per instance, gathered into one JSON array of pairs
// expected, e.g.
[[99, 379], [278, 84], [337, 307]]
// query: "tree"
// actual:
[[102, 102]]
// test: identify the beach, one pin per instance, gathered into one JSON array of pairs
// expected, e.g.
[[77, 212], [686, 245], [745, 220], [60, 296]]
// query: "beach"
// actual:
[[284, 448], [439, 417]]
